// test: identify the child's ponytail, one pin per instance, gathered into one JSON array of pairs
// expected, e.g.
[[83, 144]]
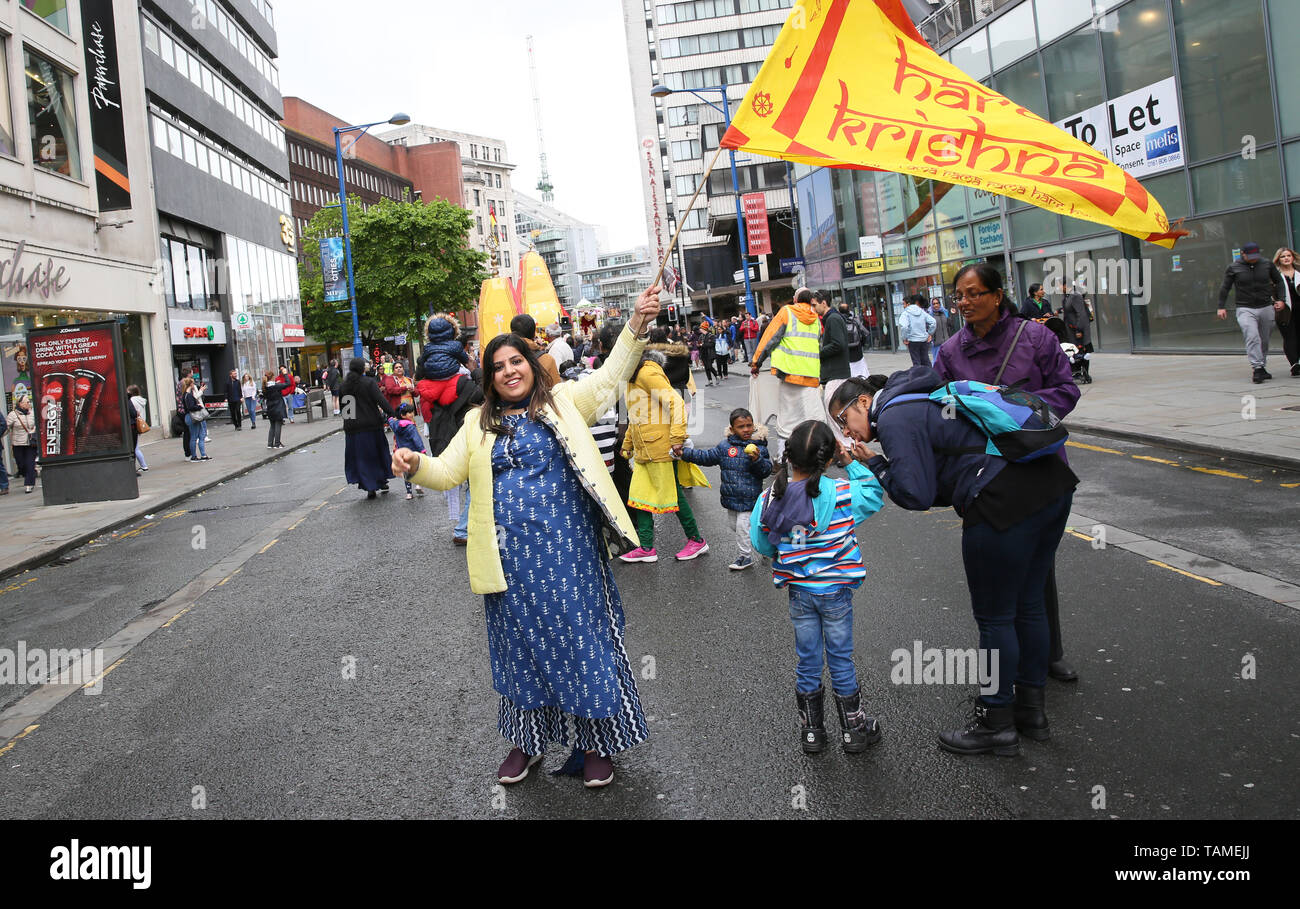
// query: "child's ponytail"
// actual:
[[782, 479], [810, 448]]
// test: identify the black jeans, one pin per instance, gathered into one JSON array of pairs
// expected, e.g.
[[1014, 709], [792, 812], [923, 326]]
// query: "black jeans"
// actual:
[[185, 440], [707, 358], [25, 461], [721, 365], [236, 413], [273, 433]]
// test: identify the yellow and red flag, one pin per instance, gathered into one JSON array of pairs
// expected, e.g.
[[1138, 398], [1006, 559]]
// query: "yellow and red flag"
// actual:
[[853, 84]]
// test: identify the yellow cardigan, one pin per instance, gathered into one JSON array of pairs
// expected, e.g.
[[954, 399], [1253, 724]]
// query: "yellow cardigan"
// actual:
[[577, 406], [656, 417]]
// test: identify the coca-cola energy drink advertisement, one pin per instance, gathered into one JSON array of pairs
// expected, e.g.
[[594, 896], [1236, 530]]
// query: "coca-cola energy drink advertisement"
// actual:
[[78, 397]]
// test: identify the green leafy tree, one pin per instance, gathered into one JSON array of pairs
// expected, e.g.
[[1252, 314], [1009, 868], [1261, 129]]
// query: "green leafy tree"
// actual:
[[409, 259]]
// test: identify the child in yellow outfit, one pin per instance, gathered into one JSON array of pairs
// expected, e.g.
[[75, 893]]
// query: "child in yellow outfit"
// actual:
[[657, 422]]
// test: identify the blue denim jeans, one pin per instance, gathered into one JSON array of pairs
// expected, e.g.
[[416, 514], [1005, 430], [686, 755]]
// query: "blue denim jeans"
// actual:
[[462, 526], [1006, 572], [823, 621], [198, 430], [251, 405]]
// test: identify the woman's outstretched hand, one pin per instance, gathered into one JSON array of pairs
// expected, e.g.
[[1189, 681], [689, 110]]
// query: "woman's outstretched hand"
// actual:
[[405, 461], [647, 309]]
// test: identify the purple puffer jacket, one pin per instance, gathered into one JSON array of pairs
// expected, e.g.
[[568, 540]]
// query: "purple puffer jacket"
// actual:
[[1038, 361]]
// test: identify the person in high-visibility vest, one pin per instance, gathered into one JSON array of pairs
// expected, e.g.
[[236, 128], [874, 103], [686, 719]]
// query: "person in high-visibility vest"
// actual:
[[793, 341]]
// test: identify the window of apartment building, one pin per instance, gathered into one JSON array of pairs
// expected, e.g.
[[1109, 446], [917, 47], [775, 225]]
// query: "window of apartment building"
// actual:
[[6, 115], [54, 12], [498, 176], [505, 259], [473, 151], [479, 220], [686, 149], [686, 184], [761, 6], [496, 155], [685, 115], [52, 116], [477, 200], [698, 9]]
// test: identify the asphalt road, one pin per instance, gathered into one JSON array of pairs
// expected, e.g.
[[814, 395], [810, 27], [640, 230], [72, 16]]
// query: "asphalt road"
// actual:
[[242, 704]]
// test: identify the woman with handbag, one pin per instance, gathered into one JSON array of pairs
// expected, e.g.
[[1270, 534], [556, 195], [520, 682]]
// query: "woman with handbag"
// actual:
[[1287, 324], [141, 425], [273, 393], [248, 389], [22, 426], [544, 520], [196, 417]]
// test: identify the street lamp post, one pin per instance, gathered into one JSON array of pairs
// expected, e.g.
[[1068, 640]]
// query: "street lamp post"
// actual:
[[663, 91], [396, 120]]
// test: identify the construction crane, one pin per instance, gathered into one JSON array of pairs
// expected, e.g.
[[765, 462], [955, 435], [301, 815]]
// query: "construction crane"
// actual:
[[544, 181]]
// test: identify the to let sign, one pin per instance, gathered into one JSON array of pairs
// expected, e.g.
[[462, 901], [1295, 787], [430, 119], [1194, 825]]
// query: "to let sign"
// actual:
[[756, 230]]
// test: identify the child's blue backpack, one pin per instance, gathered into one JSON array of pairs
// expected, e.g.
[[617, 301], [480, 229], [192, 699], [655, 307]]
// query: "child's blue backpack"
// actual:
[[1019, 425]]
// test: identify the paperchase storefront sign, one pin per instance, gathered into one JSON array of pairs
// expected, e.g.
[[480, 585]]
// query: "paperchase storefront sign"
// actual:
[[19, 275]]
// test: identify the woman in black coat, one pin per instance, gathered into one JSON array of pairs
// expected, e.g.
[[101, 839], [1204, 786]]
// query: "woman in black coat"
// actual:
[[367, 461], [274, 410]]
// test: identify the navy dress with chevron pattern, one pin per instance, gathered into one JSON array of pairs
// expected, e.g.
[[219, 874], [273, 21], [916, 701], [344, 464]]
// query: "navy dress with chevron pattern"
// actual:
[[555, 636]]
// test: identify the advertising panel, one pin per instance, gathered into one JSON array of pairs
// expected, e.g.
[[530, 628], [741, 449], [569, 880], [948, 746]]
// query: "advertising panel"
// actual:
[[332, 268], [107, 133], [1140, 131], [78, 395]]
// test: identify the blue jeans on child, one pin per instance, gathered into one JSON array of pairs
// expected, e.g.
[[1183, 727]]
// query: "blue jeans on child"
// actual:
[[823, 621], [462, 525]]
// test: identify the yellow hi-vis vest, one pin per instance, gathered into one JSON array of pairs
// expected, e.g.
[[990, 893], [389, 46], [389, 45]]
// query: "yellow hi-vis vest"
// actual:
[[799, 353]]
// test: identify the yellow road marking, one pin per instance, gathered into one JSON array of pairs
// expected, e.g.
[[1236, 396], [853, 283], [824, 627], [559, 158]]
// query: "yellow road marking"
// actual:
[[223, 581], [26, 732], [1195, 577], [1215, 472], [268, 546], [1074, 533], [1093, 448], [294, 525], [168, 623], [1290, 485], [131, 533], [174, 514], [1156, 460], [18, 586], [99, 678]]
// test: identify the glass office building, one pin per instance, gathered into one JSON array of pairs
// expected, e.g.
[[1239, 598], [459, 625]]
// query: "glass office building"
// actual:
[[1206, 78]]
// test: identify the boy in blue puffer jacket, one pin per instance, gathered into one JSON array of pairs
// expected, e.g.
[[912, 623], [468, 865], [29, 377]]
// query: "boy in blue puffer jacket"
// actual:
[[442, 358], [406, 435], [745, 464]]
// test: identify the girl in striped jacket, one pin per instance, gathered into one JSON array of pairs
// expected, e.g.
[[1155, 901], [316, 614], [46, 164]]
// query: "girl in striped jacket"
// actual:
[[806, 524]]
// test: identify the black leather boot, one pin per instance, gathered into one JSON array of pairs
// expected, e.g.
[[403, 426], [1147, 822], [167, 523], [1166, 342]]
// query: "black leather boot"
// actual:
[[812, 722], [1030, 713], [987, 729], [860, 731]]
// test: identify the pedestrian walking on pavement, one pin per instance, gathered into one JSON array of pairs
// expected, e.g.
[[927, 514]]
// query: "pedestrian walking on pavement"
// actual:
[[543, 509], [992, 347], [407, 435], [196, 418], [4, 474], [749, 331], [235, 401], [857, 340], [793, 340], [806, 523], [721, 350], [1288, 318], [366, 458], [656, 417], [142, 407], [443, 423], [916, 328], [290, 384], [1259, 297], [1078, 322], [273, 393], [707, 356], [1013, 518], [23, 439], [248, 389], [330, 379], [745, 463]]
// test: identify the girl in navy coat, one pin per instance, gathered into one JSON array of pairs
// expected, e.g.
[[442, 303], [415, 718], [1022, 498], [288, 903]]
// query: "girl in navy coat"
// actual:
[[745, 464], [406, 435]]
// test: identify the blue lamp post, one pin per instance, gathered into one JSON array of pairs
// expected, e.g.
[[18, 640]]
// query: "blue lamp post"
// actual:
[[663, 91], [395, 120]]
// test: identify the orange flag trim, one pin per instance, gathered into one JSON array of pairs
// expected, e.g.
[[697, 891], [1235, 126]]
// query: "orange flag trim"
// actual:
[[853, 84]]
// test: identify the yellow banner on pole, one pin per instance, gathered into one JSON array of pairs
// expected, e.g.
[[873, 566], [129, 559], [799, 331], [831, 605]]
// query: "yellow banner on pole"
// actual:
[[853, 84]]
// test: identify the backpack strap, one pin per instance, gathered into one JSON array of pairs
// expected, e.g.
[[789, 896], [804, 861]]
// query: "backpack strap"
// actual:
[[1010, 350]]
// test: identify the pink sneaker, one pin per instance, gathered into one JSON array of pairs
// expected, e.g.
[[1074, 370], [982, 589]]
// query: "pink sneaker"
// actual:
[[693, 548], [640, 555]]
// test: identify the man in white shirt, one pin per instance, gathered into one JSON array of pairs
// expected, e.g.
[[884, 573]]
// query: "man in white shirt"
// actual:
[[560, 351]]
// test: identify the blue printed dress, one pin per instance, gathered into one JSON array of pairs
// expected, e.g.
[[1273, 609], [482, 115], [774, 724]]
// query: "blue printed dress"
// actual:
[[555, 636]]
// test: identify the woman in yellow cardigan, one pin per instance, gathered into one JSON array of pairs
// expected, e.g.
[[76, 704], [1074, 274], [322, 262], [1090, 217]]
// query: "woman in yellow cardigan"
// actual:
[[544, 520]]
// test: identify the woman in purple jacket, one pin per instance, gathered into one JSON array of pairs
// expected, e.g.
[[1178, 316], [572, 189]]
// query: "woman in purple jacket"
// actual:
[[980, 352]]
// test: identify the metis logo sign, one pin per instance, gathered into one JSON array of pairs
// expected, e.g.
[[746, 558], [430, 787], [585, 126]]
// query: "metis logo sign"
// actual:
[[1163, 144]]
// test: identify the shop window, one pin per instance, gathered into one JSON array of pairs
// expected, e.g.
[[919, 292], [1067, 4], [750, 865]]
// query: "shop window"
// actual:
[[1072, 72], [1023, 83], [1056, 17], [949, 204], [52, 117], [1135, 47], [1284, 20], [54, 12], [6, 117], [1033, 227], [1011, 36], [1170, 190], [1237, 181], [1223, 66]]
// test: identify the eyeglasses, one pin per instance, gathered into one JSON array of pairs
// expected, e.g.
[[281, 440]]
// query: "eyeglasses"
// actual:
[[975, 295], [839, 417]]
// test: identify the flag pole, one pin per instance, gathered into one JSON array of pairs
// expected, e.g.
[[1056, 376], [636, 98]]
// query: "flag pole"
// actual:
[[681, 221]]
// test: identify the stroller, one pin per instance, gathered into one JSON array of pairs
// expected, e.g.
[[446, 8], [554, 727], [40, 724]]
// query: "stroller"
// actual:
[[1078, 358]]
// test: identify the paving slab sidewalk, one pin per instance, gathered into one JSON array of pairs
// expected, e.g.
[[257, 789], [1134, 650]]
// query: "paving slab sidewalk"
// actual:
[[33, 534]]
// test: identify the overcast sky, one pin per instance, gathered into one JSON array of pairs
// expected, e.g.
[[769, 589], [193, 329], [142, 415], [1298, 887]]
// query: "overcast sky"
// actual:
[[464, 66]]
